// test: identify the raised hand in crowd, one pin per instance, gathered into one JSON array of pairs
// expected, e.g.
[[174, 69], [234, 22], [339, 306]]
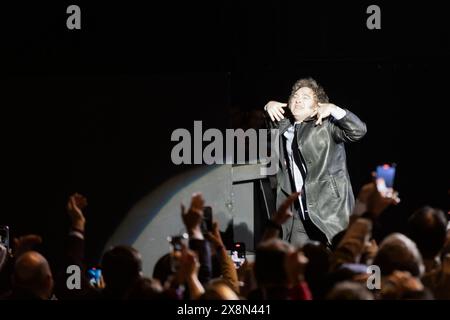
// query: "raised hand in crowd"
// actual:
[[282, 215], [372, 201], [190, 267], [227, 267], [192, 218], [75, 206]]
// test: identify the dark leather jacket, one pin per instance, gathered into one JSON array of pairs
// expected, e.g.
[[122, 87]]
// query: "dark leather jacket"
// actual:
[[328, 189]]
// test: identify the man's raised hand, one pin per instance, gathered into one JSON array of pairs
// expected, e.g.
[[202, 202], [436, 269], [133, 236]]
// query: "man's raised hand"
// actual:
[[275, 110], [323, 111], [75, 207]]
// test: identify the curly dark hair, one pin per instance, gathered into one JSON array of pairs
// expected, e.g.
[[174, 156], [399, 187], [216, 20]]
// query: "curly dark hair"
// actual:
[[318, 90]]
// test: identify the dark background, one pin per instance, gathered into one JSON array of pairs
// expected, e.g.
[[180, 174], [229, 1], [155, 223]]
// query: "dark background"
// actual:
[[93, 110]]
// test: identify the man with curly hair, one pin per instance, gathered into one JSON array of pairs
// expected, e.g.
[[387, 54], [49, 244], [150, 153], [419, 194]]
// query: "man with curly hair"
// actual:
[[313, 162]]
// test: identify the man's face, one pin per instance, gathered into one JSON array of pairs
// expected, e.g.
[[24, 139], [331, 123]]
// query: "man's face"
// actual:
[[303, 103]]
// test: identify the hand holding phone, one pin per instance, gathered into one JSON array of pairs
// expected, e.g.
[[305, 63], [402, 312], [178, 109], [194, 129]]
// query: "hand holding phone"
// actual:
[[177, 243], [384, 179], [384, 176], [238, 254], [207, 221], [95, 277]]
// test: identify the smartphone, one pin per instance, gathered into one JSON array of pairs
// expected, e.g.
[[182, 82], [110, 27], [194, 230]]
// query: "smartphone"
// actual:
[[176, 245], [207, 222], [385, 175], [177, 241], [4, 236], [237, 254], [95, 275]]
